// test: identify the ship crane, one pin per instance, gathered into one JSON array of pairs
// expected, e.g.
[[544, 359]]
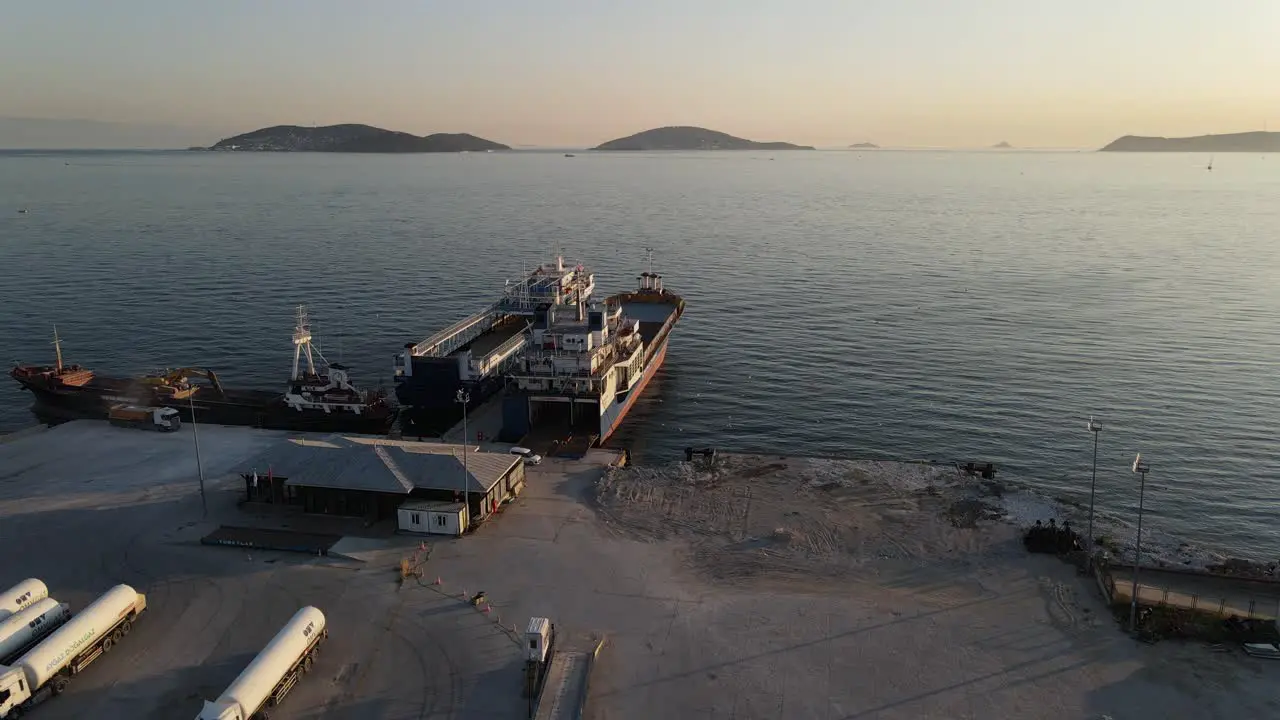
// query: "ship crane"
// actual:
[[205, 373], [173, 383], [302, 344], [335, 375]]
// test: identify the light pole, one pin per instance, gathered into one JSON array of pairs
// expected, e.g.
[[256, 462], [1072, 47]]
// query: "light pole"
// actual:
[[463, 398], [1142, 469], [1094, 428], [195, 435]]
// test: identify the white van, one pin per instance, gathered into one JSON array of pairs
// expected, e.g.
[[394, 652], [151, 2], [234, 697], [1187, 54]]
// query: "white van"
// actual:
[[529, 456]]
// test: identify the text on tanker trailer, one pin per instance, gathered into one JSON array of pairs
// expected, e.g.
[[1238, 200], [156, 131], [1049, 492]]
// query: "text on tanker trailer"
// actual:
[[273, 673], [47, 668], [20, 596], [20, 632]]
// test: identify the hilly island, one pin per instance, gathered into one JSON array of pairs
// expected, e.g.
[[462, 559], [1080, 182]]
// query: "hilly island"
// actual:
[[1233, 142], [352, 138], [691, 138]]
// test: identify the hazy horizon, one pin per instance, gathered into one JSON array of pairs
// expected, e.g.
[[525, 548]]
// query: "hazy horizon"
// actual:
[[559, 73]]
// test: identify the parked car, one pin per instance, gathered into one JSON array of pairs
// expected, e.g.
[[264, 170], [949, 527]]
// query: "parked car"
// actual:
[[529, 456]]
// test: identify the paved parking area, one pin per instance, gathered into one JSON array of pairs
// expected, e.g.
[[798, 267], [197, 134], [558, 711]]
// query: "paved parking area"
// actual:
[[86, 506]]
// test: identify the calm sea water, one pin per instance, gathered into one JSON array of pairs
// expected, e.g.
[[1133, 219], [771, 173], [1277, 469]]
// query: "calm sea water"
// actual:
[[948, 305]]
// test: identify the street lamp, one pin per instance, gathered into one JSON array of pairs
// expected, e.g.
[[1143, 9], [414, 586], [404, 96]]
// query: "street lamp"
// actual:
[[1094, 428], [1142, 469], [195, 435], [463, 397]]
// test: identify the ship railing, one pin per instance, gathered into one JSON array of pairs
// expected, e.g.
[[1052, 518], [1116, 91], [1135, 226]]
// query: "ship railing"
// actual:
[[666, 327], [542, 375], [434, 345], [522, 305], [526, 303], [592, 384], [540, 352], [500, 354]]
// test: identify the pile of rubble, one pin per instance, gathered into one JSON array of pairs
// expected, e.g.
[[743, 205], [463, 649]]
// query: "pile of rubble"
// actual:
[[1168, 622], [1237, 567]]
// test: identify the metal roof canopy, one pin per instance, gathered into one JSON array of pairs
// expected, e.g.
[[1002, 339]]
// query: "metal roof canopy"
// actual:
[[379, 465]]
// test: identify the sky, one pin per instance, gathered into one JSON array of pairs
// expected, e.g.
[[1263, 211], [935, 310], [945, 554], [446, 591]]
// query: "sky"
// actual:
[[574, 73]]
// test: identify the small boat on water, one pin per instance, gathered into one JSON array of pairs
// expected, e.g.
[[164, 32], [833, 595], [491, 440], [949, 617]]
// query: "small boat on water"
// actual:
[[570, 155]]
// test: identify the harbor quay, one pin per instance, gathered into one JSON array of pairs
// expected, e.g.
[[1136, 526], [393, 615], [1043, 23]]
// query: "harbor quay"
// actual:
[[739, 586]]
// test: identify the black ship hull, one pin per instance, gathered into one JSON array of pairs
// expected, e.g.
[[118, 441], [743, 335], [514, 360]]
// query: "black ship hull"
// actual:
[[433, 388], [429, 398], [252, 408]]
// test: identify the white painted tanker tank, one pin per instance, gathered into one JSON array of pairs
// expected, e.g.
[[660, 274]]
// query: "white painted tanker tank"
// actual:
[[38, 620], [250, 690], [20, 596], [49, 657]]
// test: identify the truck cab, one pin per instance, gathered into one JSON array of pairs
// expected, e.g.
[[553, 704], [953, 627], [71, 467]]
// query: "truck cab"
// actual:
[[14, 689], [166, 419], [158, 418], [538, 640], [220, 711]]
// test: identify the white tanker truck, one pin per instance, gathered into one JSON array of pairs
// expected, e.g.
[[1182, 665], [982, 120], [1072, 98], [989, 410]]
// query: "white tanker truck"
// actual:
[[273, 673], [47, 668], [19, 633], [18, 597]]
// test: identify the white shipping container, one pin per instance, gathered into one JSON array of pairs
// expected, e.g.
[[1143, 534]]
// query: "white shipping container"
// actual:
[[22, 595], [437, 518], [38, 620], [247, 693], [537, 639]]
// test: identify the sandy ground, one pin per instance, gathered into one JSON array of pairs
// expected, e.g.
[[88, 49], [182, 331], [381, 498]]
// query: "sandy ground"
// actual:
[[839, 589], [766, 588]]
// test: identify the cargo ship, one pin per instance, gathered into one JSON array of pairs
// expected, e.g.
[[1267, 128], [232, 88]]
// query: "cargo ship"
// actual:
[[470, 360], [320, 399], [585, 366]]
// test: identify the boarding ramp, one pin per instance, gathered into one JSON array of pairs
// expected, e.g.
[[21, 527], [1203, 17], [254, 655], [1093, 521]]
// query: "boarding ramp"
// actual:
[[499, 358], [485, 345], [457, 335], [566, 686]]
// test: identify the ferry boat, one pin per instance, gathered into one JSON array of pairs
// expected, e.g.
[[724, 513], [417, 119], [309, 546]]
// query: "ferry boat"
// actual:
[[587, 364], [471, 358]]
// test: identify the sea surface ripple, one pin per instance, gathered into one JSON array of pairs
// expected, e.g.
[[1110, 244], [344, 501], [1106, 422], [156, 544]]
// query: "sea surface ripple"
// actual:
[[940, 305]]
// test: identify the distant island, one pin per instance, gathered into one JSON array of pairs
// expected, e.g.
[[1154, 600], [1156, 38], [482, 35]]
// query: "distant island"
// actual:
[[691, 138], [352, 138], [1233, 142], [1002, 146], [864, 146]]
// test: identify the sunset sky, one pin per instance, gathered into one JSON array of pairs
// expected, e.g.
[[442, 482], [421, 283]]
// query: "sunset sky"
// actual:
[[578, 72]]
